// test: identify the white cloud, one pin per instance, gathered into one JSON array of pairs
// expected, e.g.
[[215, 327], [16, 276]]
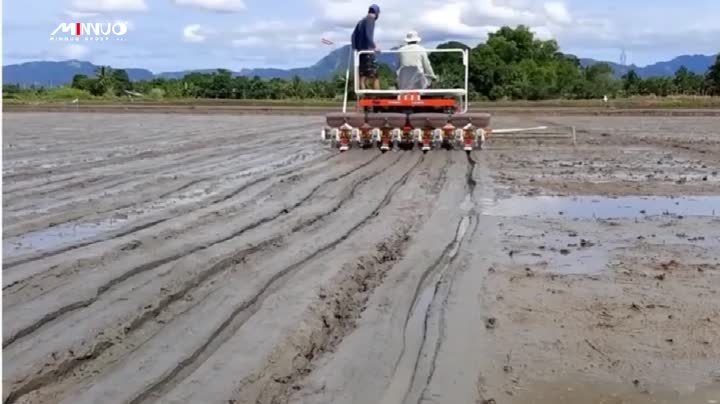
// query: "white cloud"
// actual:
[[192, 33], [486, 11], [225, 6], [78, 15], [558, 12], [577, 27], [106, 6], [248, 41], [544, 33], [73, 51], [440, 20]]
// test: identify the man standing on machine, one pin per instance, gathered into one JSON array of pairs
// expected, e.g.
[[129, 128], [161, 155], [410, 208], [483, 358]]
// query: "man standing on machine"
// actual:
[[362, 40]]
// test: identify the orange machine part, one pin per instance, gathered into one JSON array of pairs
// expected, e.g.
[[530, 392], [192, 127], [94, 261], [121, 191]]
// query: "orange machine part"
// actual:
[[406, 102]]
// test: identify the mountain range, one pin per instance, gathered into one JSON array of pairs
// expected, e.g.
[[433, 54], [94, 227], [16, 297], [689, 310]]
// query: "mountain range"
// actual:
[[50, 73], [695, 63]]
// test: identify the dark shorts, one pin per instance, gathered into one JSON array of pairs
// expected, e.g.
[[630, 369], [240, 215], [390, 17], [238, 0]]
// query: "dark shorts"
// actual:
[[368, 65]]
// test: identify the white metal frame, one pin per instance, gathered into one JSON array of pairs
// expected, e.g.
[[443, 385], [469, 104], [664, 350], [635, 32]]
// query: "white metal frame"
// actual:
[[460, 92]]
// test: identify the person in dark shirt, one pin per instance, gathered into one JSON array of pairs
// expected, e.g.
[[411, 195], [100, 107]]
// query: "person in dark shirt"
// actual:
[[363, 38]]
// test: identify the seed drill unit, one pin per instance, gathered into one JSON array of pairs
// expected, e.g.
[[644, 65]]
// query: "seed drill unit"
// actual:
[[412, 115]]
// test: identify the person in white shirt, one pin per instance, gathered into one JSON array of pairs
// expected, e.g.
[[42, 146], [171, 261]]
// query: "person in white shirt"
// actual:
[[418, 57]]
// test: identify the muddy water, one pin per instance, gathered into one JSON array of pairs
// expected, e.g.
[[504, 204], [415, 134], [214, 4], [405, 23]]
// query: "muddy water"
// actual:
[[575, 393], [599, 207], [75, 232], [53, 237]]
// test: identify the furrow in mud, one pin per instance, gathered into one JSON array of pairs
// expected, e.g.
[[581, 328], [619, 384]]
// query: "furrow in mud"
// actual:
[[64, 368], [396, 313], [349, 297], [110, 182], [441, 277], [215, 201], [69, 365], [356, 184], [81, 215], [252, 305], [429, 292], [208, 220], [470, 179], [336, 311], [449, 279], [11, 191], [159, 262], [123, 160], [63, 213], [78, 246], [59, 210]]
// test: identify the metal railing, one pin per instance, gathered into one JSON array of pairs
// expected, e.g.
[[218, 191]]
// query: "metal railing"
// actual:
[[461, 92]]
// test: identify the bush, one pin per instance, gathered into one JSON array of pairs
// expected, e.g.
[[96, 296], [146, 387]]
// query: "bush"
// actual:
[[157, 93], [66, 93]]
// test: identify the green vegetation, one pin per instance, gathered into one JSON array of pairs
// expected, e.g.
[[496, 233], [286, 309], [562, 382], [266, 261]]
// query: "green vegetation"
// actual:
[[512, 65]]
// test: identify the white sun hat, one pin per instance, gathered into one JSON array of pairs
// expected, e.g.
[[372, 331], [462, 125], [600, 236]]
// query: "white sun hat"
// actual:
[[412, 36]]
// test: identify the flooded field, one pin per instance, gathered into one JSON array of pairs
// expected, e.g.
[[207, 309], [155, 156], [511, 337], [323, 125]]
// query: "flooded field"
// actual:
[[235, 259], [600, 207]]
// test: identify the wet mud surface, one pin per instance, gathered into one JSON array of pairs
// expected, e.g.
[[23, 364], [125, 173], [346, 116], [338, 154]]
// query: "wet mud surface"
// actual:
[[236, 259]]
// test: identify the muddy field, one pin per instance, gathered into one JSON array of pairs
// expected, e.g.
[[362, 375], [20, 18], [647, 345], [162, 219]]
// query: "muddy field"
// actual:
[[235, 259]]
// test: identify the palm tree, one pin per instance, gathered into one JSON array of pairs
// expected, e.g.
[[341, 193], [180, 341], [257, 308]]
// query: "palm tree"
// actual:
[[104, 80]]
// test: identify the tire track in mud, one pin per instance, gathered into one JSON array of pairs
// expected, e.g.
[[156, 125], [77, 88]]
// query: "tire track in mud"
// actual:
[[122, 160], [59, 219], [393, 393], [69, 365], [42, 190], [472, 218], [441, 278], [54, 224], [90, 143], [339, 315], [159, 262], [423, 301], [72, 137], [47, 188], [110, 182], [41, 380], [469, 177], [251, 306], [220, 199], [52, 182], [135, 229], [141, 177]]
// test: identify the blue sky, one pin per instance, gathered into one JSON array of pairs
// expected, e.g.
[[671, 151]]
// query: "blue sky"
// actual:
[[168, 35]]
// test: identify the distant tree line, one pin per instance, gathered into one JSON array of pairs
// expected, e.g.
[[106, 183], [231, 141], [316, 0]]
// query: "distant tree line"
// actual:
[[511, 64]]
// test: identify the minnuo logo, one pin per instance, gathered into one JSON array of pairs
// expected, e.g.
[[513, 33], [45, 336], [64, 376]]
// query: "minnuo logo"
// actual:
[[89, 31]]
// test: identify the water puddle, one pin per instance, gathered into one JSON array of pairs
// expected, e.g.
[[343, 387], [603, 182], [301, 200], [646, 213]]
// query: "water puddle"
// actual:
[[567, 260], [58, 236], [572, 393], [601, 207]]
